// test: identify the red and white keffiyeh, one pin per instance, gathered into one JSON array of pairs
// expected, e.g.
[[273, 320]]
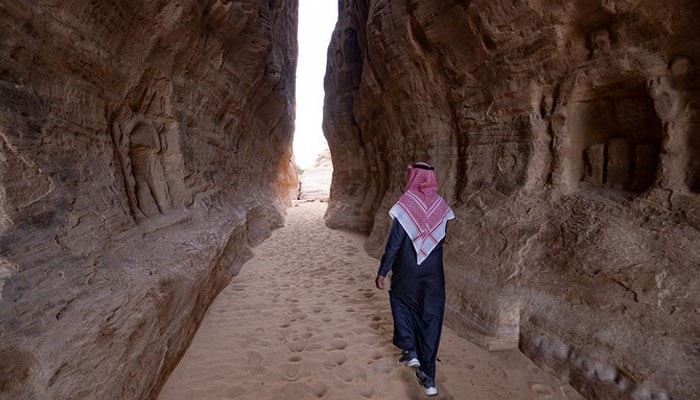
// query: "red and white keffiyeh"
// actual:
[[421, 211]]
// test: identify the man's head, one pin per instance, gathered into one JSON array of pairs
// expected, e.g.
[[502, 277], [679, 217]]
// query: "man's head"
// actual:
[[421, 178]]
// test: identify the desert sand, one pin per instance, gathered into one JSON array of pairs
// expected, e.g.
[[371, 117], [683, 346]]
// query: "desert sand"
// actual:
[[303, 320]]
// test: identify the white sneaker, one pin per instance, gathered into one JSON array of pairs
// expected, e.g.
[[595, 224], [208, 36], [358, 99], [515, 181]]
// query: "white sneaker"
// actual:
[[409, 359], [427, 383]]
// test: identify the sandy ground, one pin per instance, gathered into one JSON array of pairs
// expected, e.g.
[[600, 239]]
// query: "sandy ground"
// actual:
[[304, 321]]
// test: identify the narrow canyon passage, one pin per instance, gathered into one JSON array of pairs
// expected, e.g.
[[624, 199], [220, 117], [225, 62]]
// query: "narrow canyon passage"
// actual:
[[146, 147], [303, 320]]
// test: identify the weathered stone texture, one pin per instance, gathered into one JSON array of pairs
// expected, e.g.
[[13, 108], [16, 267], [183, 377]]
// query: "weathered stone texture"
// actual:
[[565, 135], [140, 148]]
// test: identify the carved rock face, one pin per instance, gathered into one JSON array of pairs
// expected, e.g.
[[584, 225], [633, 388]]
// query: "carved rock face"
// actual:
[[564, 135], [140, 148]]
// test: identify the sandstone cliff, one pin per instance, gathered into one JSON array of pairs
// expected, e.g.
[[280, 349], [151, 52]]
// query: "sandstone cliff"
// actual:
[[565, 135], [140, 147]]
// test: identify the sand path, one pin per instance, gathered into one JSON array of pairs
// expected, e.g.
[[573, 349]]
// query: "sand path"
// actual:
[[303, 321]]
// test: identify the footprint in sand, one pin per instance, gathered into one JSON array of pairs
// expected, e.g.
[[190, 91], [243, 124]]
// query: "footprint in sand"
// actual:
[[383, 368], [533, 369], [339, 344], [503, 374], [366, 391], [345, 373], [326, 319], [282, 335], [339, 358], [328, 364], [254, 363], [369, 339], [313, 347], [294, 359], [297, 346], [569, 393], [297, 317], [542, 391], [253, 358], [317, 309], [291, 373], [318, 389], [364, 386]]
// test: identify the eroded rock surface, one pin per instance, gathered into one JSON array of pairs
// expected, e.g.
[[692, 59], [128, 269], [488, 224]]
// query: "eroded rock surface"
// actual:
[[140, 148], [565, 135]]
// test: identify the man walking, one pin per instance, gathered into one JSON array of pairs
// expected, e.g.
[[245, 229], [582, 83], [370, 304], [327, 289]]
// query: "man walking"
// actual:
[[414, 255]]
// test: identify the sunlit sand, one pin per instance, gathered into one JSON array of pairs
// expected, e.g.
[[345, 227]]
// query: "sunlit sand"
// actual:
[[304, 321]]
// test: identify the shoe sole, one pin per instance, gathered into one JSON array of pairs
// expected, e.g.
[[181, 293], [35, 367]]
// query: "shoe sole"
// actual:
[[414, 363], [430, 391]]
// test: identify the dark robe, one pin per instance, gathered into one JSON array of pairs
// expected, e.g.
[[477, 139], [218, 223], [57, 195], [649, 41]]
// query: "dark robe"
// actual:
[[417, 297]]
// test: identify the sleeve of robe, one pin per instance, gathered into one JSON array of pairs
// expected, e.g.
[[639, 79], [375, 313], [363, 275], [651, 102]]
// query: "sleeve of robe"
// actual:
[[393, 246]]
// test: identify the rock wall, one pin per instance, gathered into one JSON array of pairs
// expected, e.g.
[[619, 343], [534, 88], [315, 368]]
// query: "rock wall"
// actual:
[[140, 147], [565, 136]]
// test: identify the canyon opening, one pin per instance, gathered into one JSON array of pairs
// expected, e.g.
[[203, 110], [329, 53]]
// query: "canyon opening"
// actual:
[[146, 165]]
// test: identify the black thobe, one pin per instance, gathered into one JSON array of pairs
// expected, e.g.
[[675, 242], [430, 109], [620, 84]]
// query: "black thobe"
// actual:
[[417, 296]]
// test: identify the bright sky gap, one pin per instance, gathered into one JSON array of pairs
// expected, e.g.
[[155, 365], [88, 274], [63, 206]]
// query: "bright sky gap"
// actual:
[[316, 22]]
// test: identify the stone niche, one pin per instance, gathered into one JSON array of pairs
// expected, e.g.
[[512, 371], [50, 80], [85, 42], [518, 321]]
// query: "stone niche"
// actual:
[[615, 138]]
